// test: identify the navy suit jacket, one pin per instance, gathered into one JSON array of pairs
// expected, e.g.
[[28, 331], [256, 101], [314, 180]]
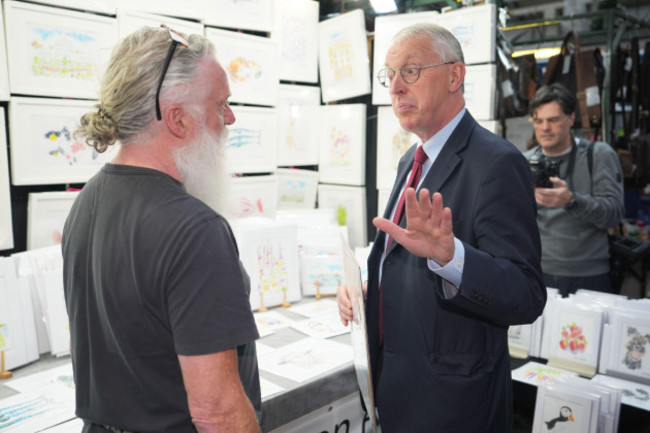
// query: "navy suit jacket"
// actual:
[[445, 365]]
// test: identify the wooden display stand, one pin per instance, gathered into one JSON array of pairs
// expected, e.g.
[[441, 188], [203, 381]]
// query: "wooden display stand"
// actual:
[[4, 374]]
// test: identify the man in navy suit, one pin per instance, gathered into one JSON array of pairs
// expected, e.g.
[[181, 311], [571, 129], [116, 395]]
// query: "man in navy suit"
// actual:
[[446, 281]]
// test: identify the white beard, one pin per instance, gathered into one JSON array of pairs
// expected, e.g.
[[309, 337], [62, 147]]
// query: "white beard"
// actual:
[[204, 171]]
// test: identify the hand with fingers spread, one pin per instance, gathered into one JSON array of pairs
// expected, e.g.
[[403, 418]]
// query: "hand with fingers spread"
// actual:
[[428, 231]]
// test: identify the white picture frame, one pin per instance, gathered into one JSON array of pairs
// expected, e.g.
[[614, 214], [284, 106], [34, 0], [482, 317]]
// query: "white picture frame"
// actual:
[[102, 6], [252, 140], [559, 406], [256, 15], [6, 226], [297, 119], [297, 188], [349, 203], [475, 29], [129, 20], [385, 28], [186, 9], [480, 82], [46, 215], [43, 149], [56, 52], [343, 59], [342, 144], [251, 63], [296, 32], [4, 70], [392, 142], [253, 196]]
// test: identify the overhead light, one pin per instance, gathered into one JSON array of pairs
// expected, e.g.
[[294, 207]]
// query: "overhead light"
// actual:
[[383, 6], [540, 53]]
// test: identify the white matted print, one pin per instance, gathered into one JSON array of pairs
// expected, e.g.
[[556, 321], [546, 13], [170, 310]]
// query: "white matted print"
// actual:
[[575, 334], [190, 9], [475, 29], [349, 203], [632, 345], [392, 143], [6, 227], [480, 81], [46, 215], [343, 56], [251, 146], [43, 149], [558, 410], [103, 6], [297, 119], [129, 21], [4, 72], [385, 28], [296, 31], [342, 148], [253, 196], [297, 188], [240, 14], [56, 52], [251, 63]]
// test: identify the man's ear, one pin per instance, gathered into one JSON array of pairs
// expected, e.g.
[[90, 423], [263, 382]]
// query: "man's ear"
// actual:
[[178, 121], [456, 77]]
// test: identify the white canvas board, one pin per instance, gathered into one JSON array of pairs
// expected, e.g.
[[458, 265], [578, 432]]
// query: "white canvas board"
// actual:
[[295, 28], [243, 15], [4, 71], [46, 215], [129, 21], [61, 375], [56, 52], [252, 140], [298, 110], [43, 148], [56, 314], [6, 225], [342, 148], [37, 410], [251, 63], [297, 188], [253, 196], [392, 142], [480, 91], [349, 203], [475, 29], [186, 9], [343, 58]]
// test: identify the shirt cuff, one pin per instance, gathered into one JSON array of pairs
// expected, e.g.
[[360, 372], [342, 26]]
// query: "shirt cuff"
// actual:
[[452, 272]]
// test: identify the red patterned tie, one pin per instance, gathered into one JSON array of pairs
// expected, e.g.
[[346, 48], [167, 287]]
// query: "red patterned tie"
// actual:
[[414, 179]]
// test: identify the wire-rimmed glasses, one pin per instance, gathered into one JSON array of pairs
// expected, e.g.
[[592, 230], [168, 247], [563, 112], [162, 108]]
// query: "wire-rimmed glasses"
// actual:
[[410, 73], [177, 39]]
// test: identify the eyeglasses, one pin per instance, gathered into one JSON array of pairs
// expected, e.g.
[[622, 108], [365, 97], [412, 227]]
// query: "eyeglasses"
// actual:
[[177, 39], [409, 73]]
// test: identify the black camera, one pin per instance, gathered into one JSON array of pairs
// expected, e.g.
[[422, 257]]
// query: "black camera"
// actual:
[[542, 169]]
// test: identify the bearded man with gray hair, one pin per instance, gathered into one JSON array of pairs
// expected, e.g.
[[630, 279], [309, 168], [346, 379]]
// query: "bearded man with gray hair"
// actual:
[[162, 333]]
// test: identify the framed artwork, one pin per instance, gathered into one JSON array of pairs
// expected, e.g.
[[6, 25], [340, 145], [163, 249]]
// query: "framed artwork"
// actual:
[[129, 20], [320, 274], [480, 90], [296, 31], [626, 344], [561, 410], [6, 226], [251, 63], [342, 148], [392, 143], [102, 6], [43, 149], [475, 29], [242, 14], [343, 56], [350, 205], [253, 196], [269, 252], [296, 188], [385, 28], [190, 9], [4, 72], [252, 141], [46, 215], [56, 52], [297, 119]]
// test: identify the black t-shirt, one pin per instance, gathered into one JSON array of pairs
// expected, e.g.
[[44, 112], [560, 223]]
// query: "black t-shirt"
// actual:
[[150, 272]]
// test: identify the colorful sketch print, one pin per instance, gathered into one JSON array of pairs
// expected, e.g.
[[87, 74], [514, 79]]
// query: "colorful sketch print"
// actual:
[[635, 348], [273, 270], [244, 137], [242, 70], [341, 54], [559, 422], [247, 206], [573, 339], [4, 336], [325, 276], [55, 145], [339, 148], [401, 142], [293, 191], [63, 53]]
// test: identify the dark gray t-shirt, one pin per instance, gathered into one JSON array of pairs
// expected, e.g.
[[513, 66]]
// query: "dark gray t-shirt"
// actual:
[[150, 272]]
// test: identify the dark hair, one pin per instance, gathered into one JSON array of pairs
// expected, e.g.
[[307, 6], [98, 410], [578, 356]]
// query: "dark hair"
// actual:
[[554, 93]]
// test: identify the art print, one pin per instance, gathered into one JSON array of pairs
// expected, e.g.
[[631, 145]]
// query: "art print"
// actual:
[[560, 411], [297, 188], [240, 14], [479, 90], [634, 346], [43, 148], [634, 394], [251, 145], [6, 225], [323, 326], [296, 31], [576, 337], [253, 196], [343, 56], [475, 30], [129, 21], [298, 110], [321, 274], [392, 142], [56, 52], [36, 410], [270, 321], [46, 215], [251, 65], [538, 374], [342, 144], [349, 203]]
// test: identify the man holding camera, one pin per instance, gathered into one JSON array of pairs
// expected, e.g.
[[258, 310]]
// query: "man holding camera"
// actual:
[[579, 192]]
